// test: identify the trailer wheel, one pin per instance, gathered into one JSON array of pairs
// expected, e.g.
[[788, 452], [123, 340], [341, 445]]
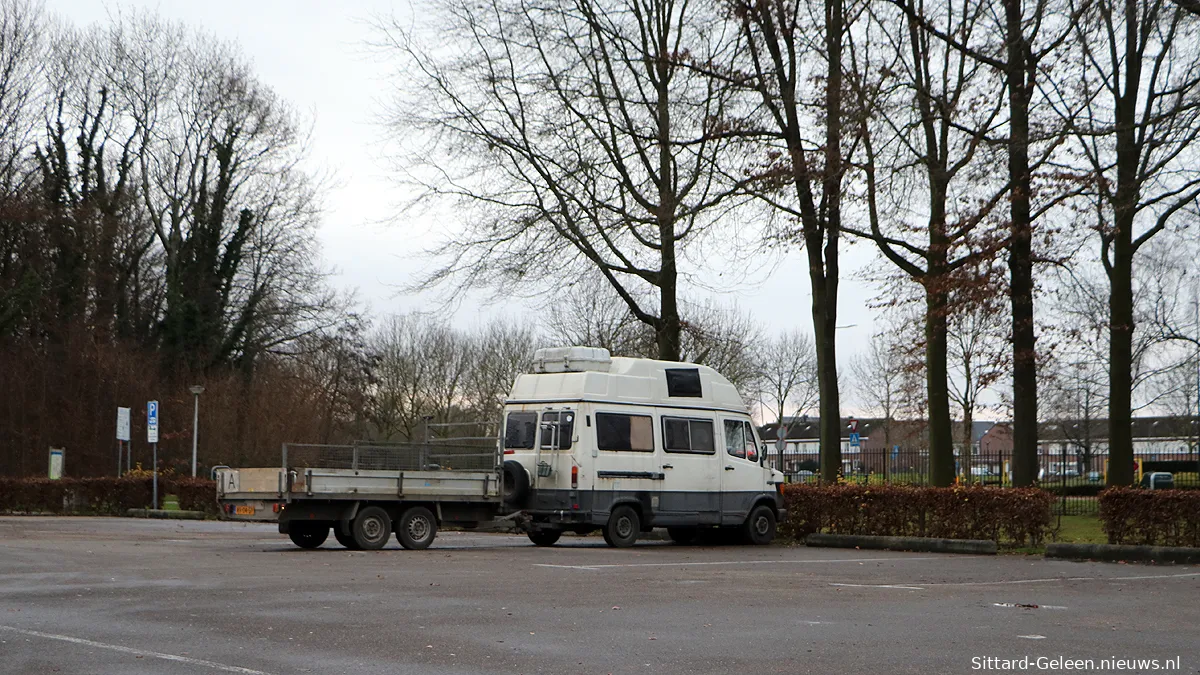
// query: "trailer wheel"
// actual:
[[346, 540], [372, 528], [416, 528], [759, 528], [308, 535], [683, 535], [544, 537], [623, 527]]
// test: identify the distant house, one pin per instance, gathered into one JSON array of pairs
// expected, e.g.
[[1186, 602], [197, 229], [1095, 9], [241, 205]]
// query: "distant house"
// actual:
[[1081, 445], [895, 443]]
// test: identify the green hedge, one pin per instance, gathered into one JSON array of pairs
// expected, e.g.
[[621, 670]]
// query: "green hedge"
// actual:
[[997, 514], [196, 494], [1151, 517], [102, 496]]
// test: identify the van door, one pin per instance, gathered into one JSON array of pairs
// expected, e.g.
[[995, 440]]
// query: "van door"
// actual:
[[691, 468], [743, 479], [626, 461]]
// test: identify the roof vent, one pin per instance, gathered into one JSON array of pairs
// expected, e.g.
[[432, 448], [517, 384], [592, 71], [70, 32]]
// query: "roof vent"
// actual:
[[571, 360]]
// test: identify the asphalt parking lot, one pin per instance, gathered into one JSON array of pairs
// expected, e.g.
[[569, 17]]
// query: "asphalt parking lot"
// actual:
[[106, 595]]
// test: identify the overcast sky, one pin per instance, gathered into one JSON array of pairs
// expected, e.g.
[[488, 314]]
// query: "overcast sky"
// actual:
[[313, 54]]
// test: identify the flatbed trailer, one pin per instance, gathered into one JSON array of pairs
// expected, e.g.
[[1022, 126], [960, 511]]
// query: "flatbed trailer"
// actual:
[[363, 493]]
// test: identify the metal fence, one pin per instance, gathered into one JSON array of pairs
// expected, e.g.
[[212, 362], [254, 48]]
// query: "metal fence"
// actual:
[[391, 457], [1075, 479]]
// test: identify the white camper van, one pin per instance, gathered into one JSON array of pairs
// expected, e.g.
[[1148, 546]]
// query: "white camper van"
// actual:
[[624, 445]]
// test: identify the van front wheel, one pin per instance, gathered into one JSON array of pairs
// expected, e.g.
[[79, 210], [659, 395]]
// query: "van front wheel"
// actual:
[[622, 528], [759, 528]]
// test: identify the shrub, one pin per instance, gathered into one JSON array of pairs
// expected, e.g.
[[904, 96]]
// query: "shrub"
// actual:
[[96, 496], [976, 512], [196, 494], [1151, 517]]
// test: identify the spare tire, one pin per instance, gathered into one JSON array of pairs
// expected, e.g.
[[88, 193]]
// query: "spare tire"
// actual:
[[516, 484]]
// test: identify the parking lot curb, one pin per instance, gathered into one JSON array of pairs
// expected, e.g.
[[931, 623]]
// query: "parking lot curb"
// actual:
[[922, 544], [1115, 552], [168, 515]]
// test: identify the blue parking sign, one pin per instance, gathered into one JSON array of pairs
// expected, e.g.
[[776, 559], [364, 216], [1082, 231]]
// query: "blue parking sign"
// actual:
[[152, 421], [854, 442]]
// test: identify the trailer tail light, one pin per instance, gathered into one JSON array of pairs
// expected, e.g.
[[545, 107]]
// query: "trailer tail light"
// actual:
[[574, 477], [275, 507], [229, 508]]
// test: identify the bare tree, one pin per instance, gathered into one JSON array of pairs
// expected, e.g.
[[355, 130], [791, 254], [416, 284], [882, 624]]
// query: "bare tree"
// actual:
[[788, 379], [577, 136], [22, 51], [925, 131], [788, 47], [888, 380], [978, 352], [502, 350], [1135, 113], [789, 374]]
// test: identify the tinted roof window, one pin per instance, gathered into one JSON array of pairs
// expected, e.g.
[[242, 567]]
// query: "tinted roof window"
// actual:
[[684, 382]]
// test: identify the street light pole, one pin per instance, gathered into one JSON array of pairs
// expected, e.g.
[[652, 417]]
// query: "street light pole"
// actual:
[[196, 390]]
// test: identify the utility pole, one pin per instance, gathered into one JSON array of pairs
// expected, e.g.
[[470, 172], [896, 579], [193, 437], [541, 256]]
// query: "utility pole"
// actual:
[[196, 390]]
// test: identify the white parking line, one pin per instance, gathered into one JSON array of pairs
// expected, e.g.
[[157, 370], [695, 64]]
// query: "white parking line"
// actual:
[[1052, 579], [723, 562], [136, 652], [905, 588]]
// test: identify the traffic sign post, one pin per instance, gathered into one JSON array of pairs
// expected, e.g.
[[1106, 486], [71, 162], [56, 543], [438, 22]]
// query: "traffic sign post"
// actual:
[[152, 438], [122, 435], [57, 461]]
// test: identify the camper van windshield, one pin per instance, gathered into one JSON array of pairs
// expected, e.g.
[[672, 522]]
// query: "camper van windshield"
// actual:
[[562, 422], [520, 430]]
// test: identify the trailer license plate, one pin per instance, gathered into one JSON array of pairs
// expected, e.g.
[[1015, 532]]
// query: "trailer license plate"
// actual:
[[244, 510]]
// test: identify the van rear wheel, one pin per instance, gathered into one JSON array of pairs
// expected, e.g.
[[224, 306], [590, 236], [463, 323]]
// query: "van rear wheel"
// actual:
[[759, 528], [623, 527], [545, 537]]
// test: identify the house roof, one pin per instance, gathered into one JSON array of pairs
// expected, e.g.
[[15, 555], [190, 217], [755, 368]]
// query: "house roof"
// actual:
[[809, 429], [907, 431], [1076, 430]]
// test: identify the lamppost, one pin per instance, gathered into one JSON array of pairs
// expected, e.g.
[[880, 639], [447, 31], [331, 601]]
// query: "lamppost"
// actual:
[[196, 390]]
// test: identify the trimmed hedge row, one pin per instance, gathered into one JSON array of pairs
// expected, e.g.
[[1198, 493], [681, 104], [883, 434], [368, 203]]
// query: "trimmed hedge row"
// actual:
[[995, 514], [1151, 517], [102, 496]]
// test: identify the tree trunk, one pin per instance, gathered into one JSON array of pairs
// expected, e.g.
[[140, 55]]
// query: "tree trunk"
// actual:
[[1020, 254], [1120, 357], [824, 273], [825, 322], [1120, 273], [941, 432]]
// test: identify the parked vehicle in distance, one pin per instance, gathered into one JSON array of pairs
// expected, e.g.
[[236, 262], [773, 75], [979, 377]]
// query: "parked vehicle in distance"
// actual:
[[1157, 480], [623, 445], [589, 442], [1095, 476]]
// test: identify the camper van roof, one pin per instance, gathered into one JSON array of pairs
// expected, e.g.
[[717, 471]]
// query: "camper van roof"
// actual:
[[633, 381]]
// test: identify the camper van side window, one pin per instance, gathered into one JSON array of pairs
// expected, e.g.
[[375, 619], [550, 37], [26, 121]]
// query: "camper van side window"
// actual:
[[688, 435], [624, 432], [735, 438], [565, 423], [520, 430]]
